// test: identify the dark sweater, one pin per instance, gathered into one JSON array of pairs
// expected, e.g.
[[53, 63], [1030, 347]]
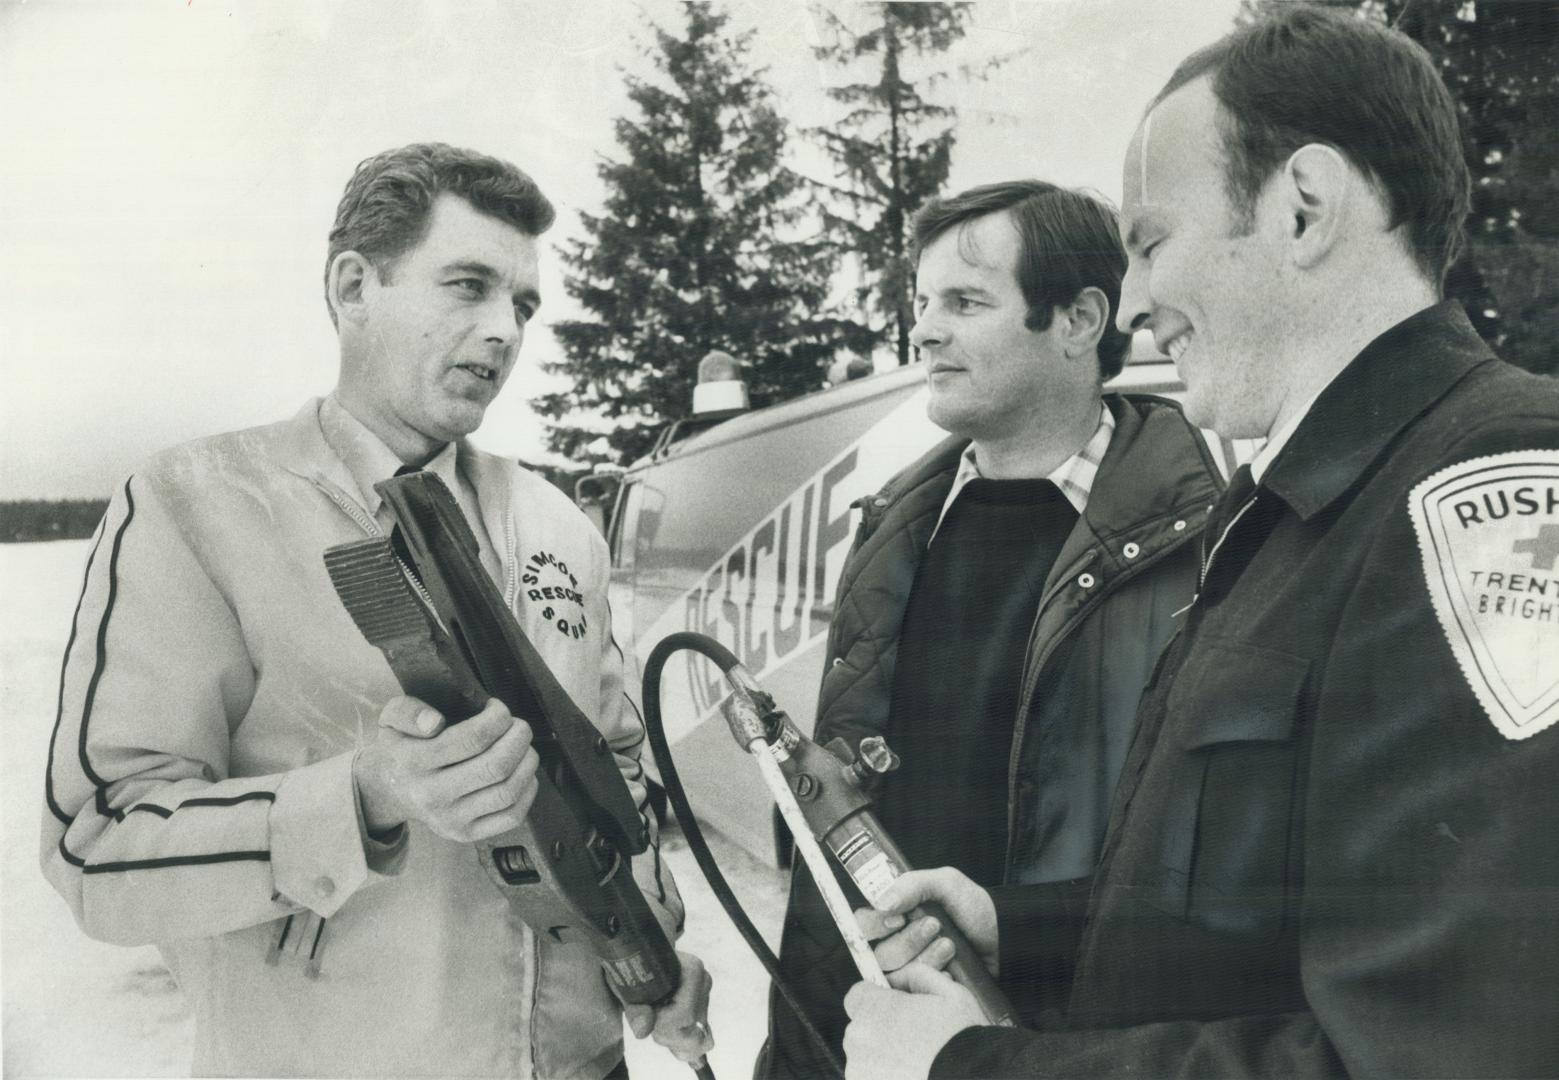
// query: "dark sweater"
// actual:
[[958, 681]]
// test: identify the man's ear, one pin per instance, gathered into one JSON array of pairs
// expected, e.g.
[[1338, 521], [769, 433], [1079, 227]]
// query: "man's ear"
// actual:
[[1315, 192], [1083, 321], [351, 275]]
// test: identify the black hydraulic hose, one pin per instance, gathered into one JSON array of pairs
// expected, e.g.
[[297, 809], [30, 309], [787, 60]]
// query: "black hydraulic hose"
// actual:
[[725, 660]]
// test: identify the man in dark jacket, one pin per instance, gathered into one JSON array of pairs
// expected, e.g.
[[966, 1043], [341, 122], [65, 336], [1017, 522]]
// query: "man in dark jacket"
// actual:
[[1006, 595], [1332, 849]]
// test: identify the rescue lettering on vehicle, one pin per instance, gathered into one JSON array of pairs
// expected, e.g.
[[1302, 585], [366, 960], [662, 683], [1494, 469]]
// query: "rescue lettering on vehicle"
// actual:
[[769, 597], [761, 599]]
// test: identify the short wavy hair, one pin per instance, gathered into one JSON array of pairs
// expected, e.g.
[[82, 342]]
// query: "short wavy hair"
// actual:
[[384, 210], [1070, 242], [1311, 75]]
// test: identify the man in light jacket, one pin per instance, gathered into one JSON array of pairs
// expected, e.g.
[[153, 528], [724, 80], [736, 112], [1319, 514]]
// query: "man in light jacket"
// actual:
[[234, 775]]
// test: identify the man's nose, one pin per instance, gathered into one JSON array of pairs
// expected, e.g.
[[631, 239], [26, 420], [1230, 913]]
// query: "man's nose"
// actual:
[[501, 324], [1135, 307], [927, 332]]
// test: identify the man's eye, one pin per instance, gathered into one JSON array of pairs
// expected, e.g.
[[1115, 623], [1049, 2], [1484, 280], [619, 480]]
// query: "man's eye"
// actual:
[[966, 303], [1150, 248], [473, 287], [524, 313]]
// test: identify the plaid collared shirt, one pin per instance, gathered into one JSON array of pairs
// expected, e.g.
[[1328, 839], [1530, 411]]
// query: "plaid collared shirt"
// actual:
[[1074, 476]]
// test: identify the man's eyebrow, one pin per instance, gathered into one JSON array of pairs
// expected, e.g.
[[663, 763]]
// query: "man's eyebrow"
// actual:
[[471, 266], [954, 290], [957, 289]]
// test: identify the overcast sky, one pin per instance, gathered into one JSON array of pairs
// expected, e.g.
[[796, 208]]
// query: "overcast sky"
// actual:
[[170, 170]]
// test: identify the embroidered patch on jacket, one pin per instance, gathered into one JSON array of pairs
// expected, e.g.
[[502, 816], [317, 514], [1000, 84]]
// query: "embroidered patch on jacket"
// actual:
[[1488, 530], [549, 584]]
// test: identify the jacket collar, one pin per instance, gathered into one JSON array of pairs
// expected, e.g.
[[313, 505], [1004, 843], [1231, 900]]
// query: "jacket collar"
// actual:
[[304, 451], [1157, 467], [936, 467], [1392, 380]]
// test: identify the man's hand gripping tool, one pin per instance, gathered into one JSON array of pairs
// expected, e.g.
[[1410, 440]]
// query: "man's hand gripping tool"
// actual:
[[422, 597], [822, 794]]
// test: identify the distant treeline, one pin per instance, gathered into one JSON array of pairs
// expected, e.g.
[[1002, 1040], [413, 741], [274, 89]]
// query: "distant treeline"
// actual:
[[49, 519]]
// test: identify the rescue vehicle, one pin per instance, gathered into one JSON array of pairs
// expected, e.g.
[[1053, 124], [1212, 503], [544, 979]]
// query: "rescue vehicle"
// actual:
[[737, 526]]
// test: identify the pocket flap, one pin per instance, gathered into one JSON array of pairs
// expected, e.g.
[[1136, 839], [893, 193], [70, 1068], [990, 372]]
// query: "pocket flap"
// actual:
[[1244, 694]]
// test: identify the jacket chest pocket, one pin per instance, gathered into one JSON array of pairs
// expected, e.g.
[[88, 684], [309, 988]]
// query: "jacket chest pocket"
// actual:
[[1229, 810]]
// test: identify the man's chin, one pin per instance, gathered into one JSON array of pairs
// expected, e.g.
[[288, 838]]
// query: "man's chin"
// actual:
[[1229, 418], [457, 422], [946, 414], [1199, 409]]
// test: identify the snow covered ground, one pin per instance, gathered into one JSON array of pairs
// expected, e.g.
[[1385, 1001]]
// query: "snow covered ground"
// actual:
[[75, 1007]]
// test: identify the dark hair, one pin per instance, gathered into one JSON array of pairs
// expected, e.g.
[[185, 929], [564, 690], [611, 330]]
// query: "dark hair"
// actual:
[[384, 210], [1070, 242], [1310, 75]]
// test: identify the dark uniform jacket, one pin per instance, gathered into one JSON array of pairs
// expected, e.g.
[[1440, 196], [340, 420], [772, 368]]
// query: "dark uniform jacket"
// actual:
[[1335, 842], [1125, 571]]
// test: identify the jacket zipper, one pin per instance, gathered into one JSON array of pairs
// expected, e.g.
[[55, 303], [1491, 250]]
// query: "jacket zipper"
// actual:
[[511, 576], [350, 508], [371, 527], [1207, 563]]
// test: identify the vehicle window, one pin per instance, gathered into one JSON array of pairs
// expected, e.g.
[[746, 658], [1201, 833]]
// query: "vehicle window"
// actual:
[[625, 526]]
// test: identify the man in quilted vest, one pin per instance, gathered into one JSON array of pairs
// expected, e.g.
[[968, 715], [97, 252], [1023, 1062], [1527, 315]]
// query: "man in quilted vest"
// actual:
[[1006, 595]]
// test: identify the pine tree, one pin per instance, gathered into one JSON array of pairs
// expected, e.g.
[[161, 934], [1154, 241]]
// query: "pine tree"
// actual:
[[892, 149], [703, 244]]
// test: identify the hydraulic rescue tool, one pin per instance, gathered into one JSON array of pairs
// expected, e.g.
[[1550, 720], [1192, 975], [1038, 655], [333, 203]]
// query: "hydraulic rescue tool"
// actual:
[[422, 597], [822, 794]]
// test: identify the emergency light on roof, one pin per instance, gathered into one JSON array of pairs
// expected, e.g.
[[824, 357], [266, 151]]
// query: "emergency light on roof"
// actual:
[[720, 387]]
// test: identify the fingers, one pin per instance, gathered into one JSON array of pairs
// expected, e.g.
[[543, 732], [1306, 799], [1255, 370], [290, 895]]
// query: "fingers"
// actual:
[[411, 716], [943, 885], [919, 941], [969, 907], [920, 979], [682, 1024], [878, 924], [471, 781], [474, 737], [690, 1043], [863, 998], [641, 1019], [502, 806]]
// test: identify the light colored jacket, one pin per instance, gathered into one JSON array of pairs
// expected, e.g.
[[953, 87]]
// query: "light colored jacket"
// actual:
[[200, 795]]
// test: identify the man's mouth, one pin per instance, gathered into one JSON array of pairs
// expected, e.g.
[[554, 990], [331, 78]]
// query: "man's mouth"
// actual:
[[1178, 344], [481, 371]]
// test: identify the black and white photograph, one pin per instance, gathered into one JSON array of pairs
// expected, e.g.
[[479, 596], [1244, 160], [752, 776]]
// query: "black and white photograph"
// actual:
[[816, 539]]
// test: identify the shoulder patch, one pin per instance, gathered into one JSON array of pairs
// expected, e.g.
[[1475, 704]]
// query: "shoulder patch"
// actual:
[[1488, 530]]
